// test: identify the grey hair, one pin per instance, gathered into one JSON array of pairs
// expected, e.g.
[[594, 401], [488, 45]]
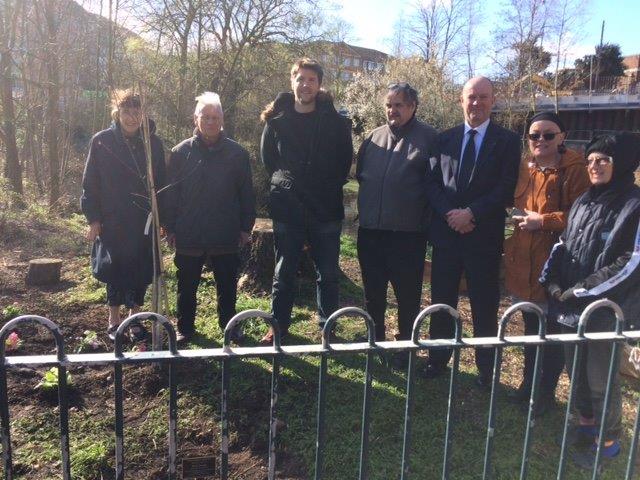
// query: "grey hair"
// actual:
[[207, 98], [409, 93]]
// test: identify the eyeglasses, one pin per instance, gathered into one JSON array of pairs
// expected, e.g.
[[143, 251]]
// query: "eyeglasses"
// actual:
[[600, 161], [547, 136], [208, 118]]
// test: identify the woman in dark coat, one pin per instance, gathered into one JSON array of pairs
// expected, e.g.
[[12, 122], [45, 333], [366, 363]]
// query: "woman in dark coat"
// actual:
[[117, 205], [598, 256]]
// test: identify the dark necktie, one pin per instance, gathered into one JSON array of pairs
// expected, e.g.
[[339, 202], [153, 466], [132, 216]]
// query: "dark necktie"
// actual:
[[468, 161]]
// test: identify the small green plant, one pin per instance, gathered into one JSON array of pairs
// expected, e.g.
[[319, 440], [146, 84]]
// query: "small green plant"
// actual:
[[348, 247], [89, 457], [351, 187], [88, 342], [49, 380], [11, 311]]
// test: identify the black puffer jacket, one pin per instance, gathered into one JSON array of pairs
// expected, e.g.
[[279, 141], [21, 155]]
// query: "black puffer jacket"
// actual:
[[596, 251], [211, 197], [306, 187], [114, 193]]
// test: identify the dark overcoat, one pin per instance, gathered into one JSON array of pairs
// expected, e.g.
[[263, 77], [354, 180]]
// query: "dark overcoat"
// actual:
[[115, 193]]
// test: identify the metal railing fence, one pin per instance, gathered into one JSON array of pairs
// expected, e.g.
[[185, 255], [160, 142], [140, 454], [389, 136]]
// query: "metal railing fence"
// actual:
[[325, 350]]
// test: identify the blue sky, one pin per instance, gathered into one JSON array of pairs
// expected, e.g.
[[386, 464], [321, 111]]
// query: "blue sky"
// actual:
[[372, 23]]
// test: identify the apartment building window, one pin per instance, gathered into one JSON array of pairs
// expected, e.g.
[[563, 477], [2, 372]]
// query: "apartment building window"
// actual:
[[347, 61], [356, 62]]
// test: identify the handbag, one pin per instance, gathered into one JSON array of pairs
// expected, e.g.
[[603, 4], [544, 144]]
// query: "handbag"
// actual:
[[101, 263], [563, 314]]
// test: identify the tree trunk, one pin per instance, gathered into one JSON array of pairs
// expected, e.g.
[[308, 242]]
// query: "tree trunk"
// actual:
[[53, 97], [12, 167], [258, 260]]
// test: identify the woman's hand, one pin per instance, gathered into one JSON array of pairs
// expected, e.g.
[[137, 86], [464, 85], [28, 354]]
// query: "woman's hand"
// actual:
[[531, 221], [634, 357], [93, 230]]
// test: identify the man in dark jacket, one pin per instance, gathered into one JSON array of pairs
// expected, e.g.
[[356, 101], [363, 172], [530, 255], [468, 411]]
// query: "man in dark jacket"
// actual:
[[392, 167], [598, 256], [210, 213], [474, 177], [307, 151]]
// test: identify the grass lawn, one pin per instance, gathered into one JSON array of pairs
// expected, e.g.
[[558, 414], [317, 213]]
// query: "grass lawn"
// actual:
[[34, 417]]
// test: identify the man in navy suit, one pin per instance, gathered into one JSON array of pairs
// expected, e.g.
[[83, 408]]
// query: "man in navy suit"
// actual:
[[472, 181]]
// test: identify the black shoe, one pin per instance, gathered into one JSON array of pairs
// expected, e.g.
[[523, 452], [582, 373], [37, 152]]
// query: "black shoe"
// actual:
[[400, 361], [333, 337], [237, 335], [544, 405], [520, 395], [580, 436], [433, 371], [183, 337], [483, 381], [382, 359], [137, 332]]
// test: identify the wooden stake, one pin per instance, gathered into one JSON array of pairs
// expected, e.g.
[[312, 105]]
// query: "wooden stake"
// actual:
[[159, 298]]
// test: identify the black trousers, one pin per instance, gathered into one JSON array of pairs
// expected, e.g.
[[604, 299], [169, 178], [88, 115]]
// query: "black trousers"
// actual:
[[397, 257], [552, 361], [225, 273], [593, 375], [481, 270]]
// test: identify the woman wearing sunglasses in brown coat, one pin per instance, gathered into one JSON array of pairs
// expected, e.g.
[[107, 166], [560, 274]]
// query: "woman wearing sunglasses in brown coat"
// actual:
[[551, 177]]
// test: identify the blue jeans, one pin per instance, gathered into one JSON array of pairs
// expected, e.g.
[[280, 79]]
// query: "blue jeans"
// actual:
[[289, 240]]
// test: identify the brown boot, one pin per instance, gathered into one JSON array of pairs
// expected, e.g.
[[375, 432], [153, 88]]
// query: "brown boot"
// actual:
[[267, 340]]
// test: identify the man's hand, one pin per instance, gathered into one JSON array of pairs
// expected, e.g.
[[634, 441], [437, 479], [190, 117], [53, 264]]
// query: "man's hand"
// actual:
[[93, 230], [461, 220], [531, 221], [634, 357], [244, 239]]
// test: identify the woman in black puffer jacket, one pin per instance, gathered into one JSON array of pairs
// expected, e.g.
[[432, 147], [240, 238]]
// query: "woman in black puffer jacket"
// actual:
[[595, 259]]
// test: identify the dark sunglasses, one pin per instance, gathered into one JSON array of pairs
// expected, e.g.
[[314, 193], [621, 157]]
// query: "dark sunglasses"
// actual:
[[547, 136]]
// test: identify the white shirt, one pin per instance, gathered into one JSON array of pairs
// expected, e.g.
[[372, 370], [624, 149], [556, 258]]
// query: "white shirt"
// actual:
[[481, 131]]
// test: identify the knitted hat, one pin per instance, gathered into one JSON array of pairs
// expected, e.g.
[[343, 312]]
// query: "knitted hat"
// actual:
[[624, 147], [550, 116]]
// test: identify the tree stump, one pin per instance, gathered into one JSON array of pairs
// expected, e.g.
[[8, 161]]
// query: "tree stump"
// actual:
[[44, 271], [258, 260]]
